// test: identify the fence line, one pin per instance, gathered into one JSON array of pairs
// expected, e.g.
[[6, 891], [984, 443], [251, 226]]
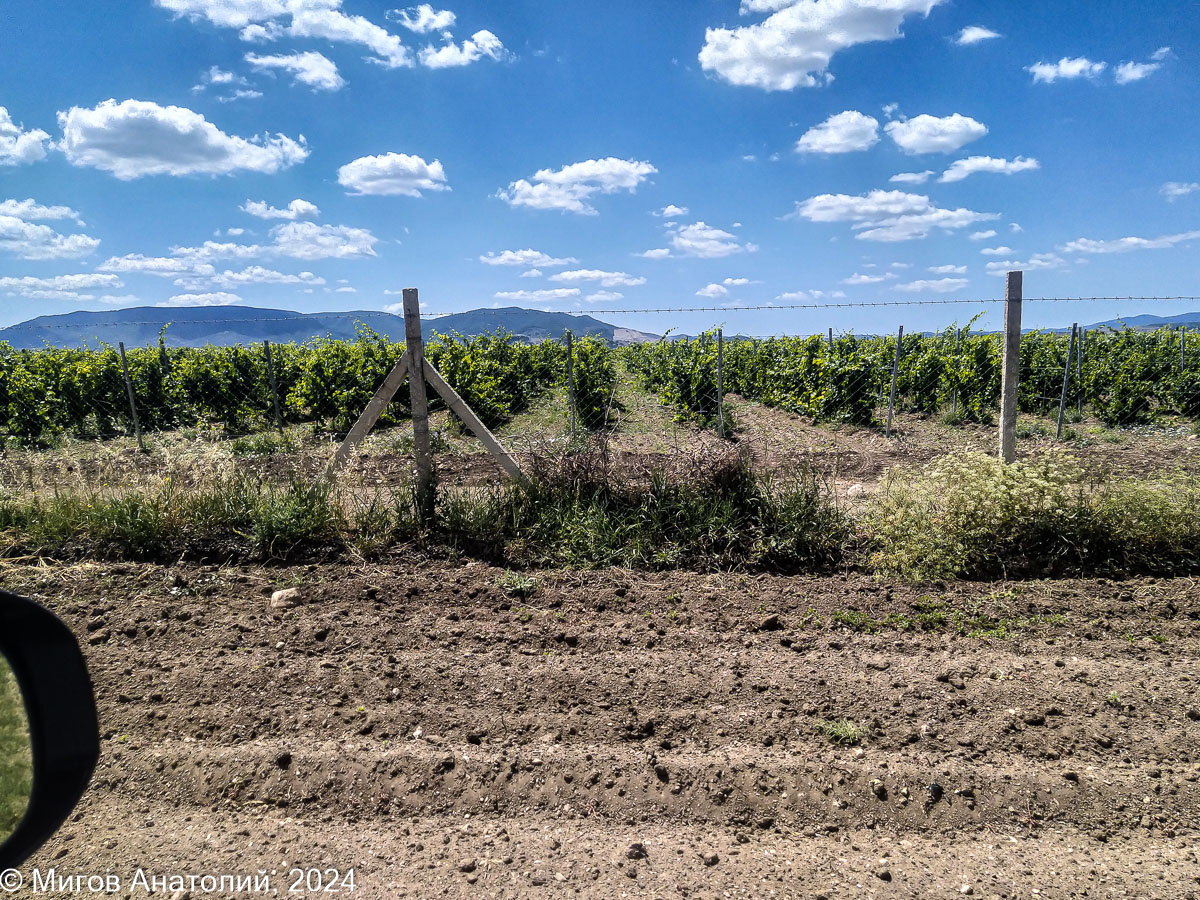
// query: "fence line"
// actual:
[[849, 304], [233, 385], [1129, 378]]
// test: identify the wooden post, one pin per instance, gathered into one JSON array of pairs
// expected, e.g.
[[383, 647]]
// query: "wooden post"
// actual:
[[1182, 345], [1079, 369], [1062, 402], [425, 488], [895, 371], [274, 385], [721, 382], [464, 412], [137, 427], [831, 340], [375, 407], [1010, 366], [571, 379]]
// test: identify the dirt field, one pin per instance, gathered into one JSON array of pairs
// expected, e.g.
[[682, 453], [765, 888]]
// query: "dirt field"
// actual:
[[620, 734]]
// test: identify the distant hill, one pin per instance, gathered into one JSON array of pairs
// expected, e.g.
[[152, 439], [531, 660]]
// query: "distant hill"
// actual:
[[533, 325], [195, 326], [1150, 323]]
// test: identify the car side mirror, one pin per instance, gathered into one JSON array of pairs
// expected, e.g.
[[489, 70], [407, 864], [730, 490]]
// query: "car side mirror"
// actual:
[[49, 736]]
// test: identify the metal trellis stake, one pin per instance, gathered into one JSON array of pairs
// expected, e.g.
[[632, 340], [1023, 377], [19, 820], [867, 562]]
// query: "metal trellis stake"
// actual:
[[137, 427], [274, 385], [957, 346], [720, 382], [895, 371], [1062, 403], [1079, 369], [571, 379]]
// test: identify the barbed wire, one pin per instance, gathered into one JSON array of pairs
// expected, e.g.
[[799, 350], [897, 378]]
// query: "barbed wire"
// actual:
[[857, 303], [361, 314]]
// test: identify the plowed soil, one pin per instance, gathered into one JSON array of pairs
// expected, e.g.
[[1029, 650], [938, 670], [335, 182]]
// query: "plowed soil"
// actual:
[[621, 734]]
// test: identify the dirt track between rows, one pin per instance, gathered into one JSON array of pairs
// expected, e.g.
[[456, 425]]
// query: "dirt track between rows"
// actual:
[[638, 735]]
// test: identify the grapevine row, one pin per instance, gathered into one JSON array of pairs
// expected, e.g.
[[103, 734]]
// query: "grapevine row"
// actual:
[[81, 392], [1128, 377]]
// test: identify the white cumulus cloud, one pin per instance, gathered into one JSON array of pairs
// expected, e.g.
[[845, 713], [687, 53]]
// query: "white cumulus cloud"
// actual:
[[699, 239], [1125, 244], [32, 211], [309, 68], [973, 34], [1128, 72], [844, 132], [1037, 262], [1065, 68], [18, 146], [424, 18], [948, 270], [996, 251], [794, 45], [935, 134], [713, 290], [911, 177], [857, 279], [298, 240], [216, 298], [539, 296], [162, 266], [392, 173], [297, 209], [964, 168], [887, 215], [58, 287], [603, 296], [135, 138], [982, 235], [249, 275], [1172, 190], [480, 45], [937, 286], [526, 257], [671, 211], [269, 20], [28, 240], [606, 279], [571, 187]]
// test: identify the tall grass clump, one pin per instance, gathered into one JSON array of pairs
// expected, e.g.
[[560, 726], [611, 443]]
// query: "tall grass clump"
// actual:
[[971, 516], [715, 513], [249, 515]]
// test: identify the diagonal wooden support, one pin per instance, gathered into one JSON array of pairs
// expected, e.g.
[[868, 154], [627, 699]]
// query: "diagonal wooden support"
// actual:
[[370, 415], [460, 408]]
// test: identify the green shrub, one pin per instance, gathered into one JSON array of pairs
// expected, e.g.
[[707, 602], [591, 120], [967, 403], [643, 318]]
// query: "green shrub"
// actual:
[[970, 515]]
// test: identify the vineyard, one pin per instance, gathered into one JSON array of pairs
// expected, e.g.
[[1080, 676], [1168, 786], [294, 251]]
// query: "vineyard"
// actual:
[[82, 393], [1123, 379]]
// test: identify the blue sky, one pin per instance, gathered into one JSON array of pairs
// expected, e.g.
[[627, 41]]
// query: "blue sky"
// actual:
[[648, 154]]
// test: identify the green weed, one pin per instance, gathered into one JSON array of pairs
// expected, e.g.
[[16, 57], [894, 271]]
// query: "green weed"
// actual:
[[842, 731]]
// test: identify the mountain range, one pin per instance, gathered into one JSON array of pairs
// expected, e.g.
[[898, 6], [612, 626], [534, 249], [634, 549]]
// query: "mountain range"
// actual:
[[226, 325]]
